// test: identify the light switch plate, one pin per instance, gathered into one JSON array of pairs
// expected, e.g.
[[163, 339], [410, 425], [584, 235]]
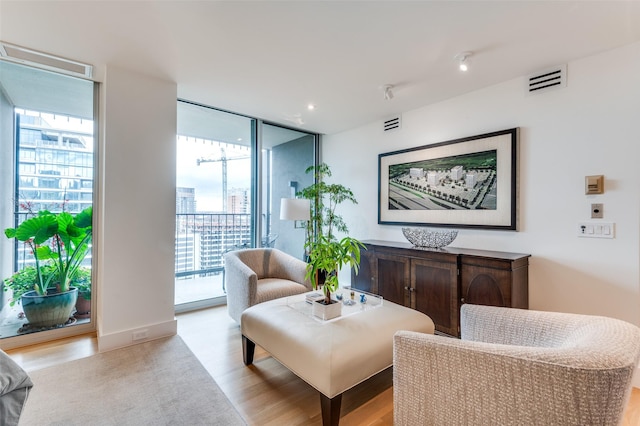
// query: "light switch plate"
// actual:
[[596, 229]]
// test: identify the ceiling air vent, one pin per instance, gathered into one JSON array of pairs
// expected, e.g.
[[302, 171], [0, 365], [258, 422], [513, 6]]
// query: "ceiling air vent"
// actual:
[[392, 124], [42, 60], [546, 80]]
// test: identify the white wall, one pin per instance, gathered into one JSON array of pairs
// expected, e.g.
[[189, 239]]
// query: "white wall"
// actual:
[[588, 128], [136, 208]]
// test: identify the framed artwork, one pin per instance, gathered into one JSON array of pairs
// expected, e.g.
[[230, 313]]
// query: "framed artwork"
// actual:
[[463, 183]]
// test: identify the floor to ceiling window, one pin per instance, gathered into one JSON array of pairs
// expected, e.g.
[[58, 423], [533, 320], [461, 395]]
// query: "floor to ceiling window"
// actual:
[[228, 197], [286, 155], [46, 164], [215, 152]]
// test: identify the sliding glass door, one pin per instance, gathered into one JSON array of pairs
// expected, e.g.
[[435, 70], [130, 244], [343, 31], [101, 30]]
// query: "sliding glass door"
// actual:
[[215, 154], [228, 197]]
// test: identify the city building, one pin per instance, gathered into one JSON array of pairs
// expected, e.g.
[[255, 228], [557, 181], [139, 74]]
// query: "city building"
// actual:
[[238, 200], [416, 172], [55, 165], [471, 179], [55, 168], [185, 200], [457, 173], [433, 177]]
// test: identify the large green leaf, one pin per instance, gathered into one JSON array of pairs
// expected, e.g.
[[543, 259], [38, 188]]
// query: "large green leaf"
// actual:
[[84, 219], [39, 228]]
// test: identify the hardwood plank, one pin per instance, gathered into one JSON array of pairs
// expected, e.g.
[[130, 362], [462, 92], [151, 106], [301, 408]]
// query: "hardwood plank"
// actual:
[[265, 393], [632, 414], [56, 352]]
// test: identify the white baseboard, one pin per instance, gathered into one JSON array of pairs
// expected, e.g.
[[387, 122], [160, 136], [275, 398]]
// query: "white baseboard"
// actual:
[[121, 339], [635, 381]]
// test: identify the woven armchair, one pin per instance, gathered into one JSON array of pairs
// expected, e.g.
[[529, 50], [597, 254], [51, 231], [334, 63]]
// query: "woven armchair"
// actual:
[[256, 275], [516, 367]]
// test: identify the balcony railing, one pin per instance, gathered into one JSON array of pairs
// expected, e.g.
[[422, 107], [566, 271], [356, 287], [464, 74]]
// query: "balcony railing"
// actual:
[[203, 238], [201, 241]]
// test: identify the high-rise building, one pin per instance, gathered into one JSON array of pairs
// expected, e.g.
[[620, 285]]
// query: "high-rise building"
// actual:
[[55, 166], [457, 173], [433, 178], [185, 200], [416, 172], [238, 200], [470, 179]]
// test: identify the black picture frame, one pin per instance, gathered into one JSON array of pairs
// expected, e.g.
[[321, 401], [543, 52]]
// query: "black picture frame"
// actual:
[[462, 183]]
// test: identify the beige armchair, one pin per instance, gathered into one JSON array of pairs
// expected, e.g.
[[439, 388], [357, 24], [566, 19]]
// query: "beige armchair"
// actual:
[[516, 367], [15, 386], [253, 276]]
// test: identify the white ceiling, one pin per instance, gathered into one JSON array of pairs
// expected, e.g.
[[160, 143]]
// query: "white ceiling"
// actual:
[[270, 59]]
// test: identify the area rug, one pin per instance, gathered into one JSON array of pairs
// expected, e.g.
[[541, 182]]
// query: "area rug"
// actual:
[[154, 383]]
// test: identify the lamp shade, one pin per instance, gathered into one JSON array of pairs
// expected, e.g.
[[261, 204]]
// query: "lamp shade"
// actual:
[[295, 209]]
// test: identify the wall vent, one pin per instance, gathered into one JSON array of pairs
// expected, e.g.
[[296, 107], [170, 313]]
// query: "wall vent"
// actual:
[[392, 124], [45, 61], [550, 79]]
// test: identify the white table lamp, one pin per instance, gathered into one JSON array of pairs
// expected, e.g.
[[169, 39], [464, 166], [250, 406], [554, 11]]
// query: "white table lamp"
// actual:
[[296, 209]]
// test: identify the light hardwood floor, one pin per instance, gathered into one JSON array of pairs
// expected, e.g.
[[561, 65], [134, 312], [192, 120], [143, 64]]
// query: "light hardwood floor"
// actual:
[[265, 393]]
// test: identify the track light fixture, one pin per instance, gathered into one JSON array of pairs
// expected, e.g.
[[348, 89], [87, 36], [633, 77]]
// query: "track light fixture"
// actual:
[[462, 60], [387, 91]]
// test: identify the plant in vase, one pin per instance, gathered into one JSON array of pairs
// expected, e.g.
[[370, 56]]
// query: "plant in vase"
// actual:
[[326, 254], [59, 243], [22, 281], [82, 281]]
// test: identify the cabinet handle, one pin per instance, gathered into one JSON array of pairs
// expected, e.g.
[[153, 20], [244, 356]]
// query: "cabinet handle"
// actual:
[[407, 288], [462, 300]]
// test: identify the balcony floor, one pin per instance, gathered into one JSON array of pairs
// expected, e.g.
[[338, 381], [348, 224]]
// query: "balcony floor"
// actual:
[[195, 288]]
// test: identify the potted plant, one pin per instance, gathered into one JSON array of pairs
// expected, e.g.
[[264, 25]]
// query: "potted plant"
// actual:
[[82, 281], [326, 257], [324, 198], [326, 254], [22, 281], [59, 241]]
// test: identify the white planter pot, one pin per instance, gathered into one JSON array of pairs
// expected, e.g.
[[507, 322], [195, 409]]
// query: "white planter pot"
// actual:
[[327, 312]]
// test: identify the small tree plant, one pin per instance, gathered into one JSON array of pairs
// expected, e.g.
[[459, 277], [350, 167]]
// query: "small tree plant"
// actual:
[[326, 254]]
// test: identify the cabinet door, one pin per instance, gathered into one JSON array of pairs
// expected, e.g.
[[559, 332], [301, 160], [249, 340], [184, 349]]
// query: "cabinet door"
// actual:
[[365, 279], [485, 286], [392, 277], [434, 291], [495, 281]]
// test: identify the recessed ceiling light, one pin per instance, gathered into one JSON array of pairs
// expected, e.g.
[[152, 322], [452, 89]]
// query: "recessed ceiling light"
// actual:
[[462, 57], [311, 107]]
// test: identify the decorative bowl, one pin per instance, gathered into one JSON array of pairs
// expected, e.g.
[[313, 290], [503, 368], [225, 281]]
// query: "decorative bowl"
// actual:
[[424, 237]]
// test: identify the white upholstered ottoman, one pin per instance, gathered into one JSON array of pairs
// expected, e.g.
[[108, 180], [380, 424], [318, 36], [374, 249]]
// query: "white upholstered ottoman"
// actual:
[[332, 356]]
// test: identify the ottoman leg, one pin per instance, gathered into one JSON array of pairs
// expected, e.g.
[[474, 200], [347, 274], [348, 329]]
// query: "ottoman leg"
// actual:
[[330, 409], [248, 348]]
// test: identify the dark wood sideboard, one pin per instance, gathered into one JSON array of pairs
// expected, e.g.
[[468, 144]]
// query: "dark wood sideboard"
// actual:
[[438, 281]]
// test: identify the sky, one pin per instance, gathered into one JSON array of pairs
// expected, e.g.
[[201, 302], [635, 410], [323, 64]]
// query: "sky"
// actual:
[[206, 178]]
